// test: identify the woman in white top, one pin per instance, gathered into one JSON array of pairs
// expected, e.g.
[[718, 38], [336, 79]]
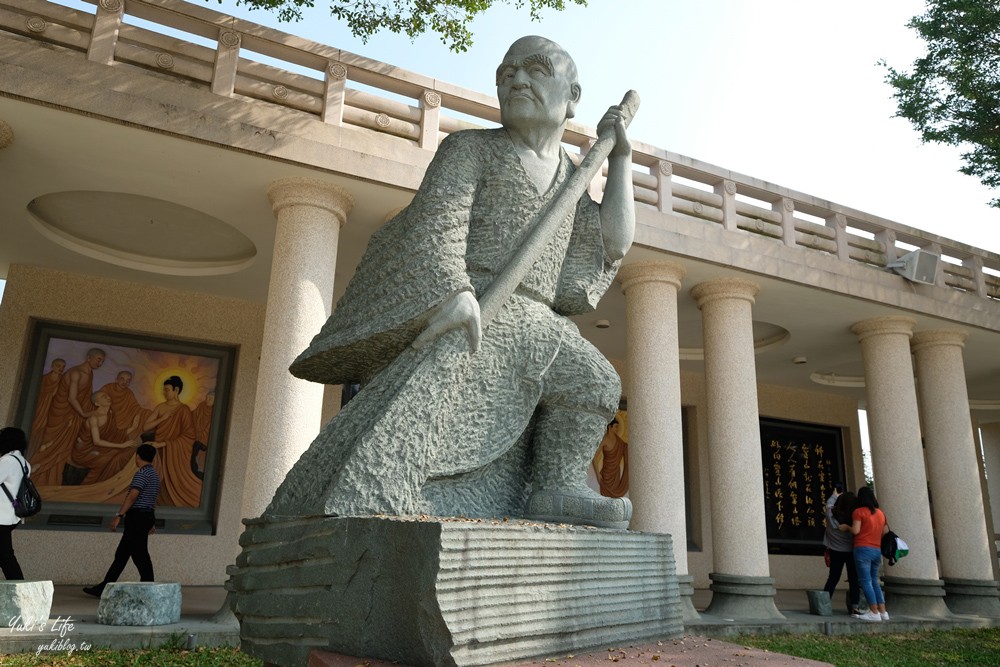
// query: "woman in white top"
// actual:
[[12, 446]]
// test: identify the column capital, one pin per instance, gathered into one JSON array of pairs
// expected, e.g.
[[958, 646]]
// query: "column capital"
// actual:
[[6, 135], [924, 339], [880, 326], [303, 191], [724, 288], [651, 272]]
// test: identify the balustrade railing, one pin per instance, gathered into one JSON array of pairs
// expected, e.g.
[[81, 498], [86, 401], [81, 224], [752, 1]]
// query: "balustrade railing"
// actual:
[[430, 109]]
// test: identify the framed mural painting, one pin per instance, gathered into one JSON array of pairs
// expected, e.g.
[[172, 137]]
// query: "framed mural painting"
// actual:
[[90, 397]]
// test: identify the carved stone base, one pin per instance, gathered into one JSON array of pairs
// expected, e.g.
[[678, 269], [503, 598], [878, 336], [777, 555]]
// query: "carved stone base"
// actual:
[[686, 584], [972, 596], [437, 592], [915, 597], [742, 598]]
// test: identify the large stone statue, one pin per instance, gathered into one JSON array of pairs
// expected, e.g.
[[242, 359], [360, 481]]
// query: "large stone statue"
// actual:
[[457, 415]]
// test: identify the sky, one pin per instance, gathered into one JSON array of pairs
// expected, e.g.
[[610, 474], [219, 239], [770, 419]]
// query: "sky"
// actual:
[[786, 91]]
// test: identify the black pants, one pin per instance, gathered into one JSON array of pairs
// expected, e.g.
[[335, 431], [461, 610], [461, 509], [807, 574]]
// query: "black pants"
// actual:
[[135, 545], [8, 561], [838, 559]]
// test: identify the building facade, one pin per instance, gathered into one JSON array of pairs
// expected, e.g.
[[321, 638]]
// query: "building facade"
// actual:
[[162, 189]]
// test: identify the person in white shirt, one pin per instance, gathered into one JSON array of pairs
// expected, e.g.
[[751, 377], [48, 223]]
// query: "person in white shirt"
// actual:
[[12, 445]]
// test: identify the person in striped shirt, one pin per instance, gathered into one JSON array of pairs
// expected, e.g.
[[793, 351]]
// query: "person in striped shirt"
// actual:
[[137, 510]]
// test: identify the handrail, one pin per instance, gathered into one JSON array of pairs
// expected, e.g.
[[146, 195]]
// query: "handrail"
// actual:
[[315, 79]]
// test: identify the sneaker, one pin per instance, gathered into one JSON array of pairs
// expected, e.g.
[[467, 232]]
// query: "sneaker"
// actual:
[[870, 616], [884, 615]]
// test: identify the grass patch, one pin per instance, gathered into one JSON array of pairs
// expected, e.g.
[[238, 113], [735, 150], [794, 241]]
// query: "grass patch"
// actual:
[[979, 647], [164, 656]]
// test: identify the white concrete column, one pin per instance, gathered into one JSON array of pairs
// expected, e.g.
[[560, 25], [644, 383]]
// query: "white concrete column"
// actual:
[[741, 584], [897, 454], [953, 469], [990, 434], [287, 410], [656, 437], [656, 443]]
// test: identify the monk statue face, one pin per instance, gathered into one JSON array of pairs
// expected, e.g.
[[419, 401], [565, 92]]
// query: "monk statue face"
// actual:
[[95, 359], [537, 85], [101, 399], [124, 379], [58, 366]]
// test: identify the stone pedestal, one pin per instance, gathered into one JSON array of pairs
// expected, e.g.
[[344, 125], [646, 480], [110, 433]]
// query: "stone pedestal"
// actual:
[[915, 597], [972, 596], [140, 603], [25, 604], [742, 598], [440, 592]]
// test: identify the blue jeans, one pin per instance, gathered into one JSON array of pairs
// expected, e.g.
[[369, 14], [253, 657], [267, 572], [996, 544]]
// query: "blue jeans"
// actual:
[[868, 560]]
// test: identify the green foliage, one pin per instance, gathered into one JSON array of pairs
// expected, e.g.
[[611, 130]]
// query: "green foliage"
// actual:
[[911, 649], [165, 656], [448, 18], [952, 94]]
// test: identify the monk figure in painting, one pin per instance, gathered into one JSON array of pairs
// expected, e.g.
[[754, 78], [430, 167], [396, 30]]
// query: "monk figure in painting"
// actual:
[[46, 392], [174, 429], [517, 407], [71, 405], [202, 429], [127, 412], [103, 447], [611, 463]]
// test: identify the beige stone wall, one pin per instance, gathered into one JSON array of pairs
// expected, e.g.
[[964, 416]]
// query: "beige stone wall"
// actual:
[[72, 557]]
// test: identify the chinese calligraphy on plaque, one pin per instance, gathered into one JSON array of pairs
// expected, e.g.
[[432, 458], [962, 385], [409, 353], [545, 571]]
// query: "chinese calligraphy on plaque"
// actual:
[[801, 462]]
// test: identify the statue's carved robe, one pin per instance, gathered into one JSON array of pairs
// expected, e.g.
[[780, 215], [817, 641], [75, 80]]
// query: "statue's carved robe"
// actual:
[[180, 486], [383, 454], [62, 429]]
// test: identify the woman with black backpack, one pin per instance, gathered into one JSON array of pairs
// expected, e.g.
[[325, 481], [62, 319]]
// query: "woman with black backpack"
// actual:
[[12, 445]]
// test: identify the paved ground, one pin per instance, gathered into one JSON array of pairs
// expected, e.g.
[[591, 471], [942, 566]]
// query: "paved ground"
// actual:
[[690, 651]]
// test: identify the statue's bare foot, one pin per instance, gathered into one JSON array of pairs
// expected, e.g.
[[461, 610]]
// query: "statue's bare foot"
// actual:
[[579, 506]]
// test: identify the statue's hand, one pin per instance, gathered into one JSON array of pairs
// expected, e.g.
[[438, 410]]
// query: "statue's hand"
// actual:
[[459, 310], [614, 121]]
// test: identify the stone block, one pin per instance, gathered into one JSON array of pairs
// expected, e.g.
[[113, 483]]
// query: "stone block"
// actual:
[[819, 603], [140, 603], [446, 592], [25, 604]]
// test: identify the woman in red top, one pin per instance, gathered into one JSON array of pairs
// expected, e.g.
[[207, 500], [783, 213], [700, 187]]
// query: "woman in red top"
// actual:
[[868, 527]]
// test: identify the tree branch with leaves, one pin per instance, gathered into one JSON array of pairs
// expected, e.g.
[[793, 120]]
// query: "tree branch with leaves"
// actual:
[[450, 19], [951, 95]]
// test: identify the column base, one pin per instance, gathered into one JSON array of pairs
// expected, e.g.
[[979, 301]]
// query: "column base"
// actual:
[[685, 582], [742, 598], [915, 597], [977, 597]]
